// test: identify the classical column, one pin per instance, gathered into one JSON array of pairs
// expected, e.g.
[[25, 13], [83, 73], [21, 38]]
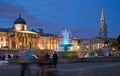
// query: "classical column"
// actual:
[[9, 42], [50, 43], [36, 42]]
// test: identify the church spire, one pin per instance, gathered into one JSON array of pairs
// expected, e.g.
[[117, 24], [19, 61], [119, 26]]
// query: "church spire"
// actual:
[[102, 27], [102, 19], [102, 13]]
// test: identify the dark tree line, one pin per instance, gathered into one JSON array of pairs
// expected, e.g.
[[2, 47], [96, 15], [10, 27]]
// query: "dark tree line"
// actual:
[[118, 42]]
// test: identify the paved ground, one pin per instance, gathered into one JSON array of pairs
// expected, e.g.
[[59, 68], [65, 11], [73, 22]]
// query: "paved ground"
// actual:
[[74, 69]]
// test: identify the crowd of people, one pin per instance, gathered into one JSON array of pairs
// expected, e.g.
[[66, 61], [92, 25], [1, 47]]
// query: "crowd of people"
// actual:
[[50, 56], [5, 57], [52, 59]]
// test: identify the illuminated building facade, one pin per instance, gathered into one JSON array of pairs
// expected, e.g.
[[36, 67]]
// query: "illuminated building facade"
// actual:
[[19, 37]]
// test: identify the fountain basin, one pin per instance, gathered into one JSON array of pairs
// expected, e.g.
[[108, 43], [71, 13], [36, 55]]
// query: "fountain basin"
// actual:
[[65, 46]]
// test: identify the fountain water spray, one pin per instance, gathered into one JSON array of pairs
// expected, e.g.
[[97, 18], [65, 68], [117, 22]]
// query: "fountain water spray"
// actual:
[[66, 41]]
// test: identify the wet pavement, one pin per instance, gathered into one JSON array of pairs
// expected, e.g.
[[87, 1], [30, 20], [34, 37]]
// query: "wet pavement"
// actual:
[[70, 69]]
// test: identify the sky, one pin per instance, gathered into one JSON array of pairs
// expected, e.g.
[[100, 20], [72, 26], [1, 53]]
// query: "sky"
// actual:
[[81, 17]]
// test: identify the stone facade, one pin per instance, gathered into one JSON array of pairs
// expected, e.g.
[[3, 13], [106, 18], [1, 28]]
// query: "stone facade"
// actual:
[[19, 37]]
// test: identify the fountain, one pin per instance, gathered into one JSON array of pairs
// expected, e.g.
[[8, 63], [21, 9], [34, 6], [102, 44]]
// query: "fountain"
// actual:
[[65, 41]]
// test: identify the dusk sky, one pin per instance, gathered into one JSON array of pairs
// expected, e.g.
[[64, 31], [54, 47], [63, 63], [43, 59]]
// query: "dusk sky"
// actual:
[[81, 17]]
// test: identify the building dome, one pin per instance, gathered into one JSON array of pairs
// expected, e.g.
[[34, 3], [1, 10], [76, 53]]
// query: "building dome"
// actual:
[[19, 20]]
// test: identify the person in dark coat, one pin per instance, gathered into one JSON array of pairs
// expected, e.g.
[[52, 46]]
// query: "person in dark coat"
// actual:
[[55, 58], [3, 57]]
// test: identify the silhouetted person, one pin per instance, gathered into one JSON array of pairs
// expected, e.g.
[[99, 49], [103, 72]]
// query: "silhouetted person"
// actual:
[[25, 68], [3, 57], [47, 56], [43, 65], [9, 56], [25, 65], [55, 58]]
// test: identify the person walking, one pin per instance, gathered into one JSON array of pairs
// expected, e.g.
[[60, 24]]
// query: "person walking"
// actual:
[[55, 58]]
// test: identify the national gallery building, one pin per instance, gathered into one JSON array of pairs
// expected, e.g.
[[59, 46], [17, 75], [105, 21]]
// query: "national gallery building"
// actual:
[[19, 37]]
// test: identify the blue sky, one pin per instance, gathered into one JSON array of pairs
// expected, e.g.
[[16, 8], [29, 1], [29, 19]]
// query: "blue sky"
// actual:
[[81, 17]]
